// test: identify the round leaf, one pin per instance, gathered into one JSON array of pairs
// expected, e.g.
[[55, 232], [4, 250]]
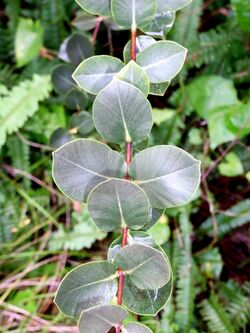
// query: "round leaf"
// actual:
[[169, 175], [146, 267], [119, 203], [97, 72], [151, 301], [161, 24], [142, 42], [62, 78], [134, 74], [100, 7], [162, 61], [82, 123], [133, 13], [159, 89], [76, 100], [122, 113], [101, 318], [59, 137], [135, 328], [79, 48], [82, 164], [86, 286]]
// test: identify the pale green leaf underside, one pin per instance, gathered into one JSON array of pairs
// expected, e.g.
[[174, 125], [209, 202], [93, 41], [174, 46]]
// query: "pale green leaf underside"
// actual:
[[169, 175], [144, 302], [135, 75], [86, 286], [162, 61], [135, 328], [122, 113], [139, 261], [172, 5], [161, 24], [96, 7], [20, 103], [95, 73], [101, 318], [142, 42], [133, 13], [80, 165], [159, 89], [119, 203]]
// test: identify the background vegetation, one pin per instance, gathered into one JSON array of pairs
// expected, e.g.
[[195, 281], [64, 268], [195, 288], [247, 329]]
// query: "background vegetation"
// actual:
[[206, 112]]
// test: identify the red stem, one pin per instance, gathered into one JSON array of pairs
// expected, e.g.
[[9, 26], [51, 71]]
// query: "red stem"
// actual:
[[129, 154]]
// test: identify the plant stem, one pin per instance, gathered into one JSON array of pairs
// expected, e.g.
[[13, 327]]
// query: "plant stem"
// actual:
[[129, 154]]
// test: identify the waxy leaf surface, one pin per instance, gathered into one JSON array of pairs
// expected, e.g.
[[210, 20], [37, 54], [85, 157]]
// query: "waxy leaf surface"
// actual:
[[146, 267], [97, 72], [172, 5], [162, 61], [62, 79], [80, 165], [135, 328], [118, 203], [122, 113], [133, 13], [100, 319], [134, 74], [96, 7], [169, 175], [86, 286]]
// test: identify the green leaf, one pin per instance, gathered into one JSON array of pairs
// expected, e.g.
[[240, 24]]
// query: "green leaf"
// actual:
[[228, 122], [97, 72], [80, 165], [79, 48], [162, 115], [167, 184], [122, 113], [161, 24], [142, 42], [86, 286], [83, 235], [119, 203], [101, 318], [21, 103], [135, 328], [160, 232], [143, 302], [159, 89], [59, 137], [134, 74], [82, 123], [139, 262], [162, 61], [242, 10], [76, 99], [155, 216], [62, 79], [231, 166], [133, 14], [100, 7], [173, 5], [28, 41], [209, 92]]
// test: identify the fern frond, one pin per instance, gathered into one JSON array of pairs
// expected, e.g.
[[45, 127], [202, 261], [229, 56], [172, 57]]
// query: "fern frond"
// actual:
[[237, 301], [232, 218], [52, 16], [215, 316], [19, 154], [21, 103], [185, 30], [185, 293]]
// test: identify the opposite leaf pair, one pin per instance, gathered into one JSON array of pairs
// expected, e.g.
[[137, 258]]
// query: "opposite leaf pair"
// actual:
[[92, 284], [163, 176]]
